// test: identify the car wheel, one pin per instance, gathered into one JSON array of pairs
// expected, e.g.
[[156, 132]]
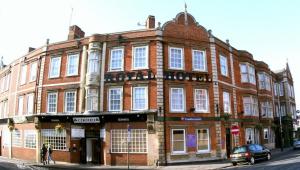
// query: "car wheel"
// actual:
[[252, 160], [268, 156], [234, 163]]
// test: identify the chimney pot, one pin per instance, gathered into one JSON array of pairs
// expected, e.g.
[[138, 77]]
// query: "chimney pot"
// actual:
[[150, 23], [75, 32]]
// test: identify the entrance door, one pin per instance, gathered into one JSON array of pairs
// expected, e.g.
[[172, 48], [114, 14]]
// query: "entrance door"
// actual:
[[228, 142], [89, 150]]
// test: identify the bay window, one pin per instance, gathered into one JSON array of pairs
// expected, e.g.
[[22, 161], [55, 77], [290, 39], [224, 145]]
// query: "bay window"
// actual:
[[92, 100], [250, 106], [247, 73], [266, 109], [93, 62], [264, 81]]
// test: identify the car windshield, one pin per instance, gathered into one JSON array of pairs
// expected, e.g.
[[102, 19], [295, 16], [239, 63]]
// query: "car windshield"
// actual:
[[241, 149]]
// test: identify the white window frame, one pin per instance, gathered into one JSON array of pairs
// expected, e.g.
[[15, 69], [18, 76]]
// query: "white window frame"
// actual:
[[66, 102], [30, 106], [16, 138], [249, 132], [134, 97], [23, 74], [172, 142], [183, 100], [93, 62], [51, 71], [182, 58], [281, 89], [203, 58], [93, 98], [121, 99], [136, 144], [29, 139], [253, 106], [226, 101], [48, 103], [33, 71], [264, 81], [197, 109], [146, 66], [208, 141], [57, 140], [223, 63], [266, 130], [267, 109], [122, 59], [20, 105], [248, 74], [76, 64]]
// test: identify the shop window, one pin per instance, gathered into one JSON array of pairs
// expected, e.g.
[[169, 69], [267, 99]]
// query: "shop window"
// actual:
[[203, 140], [137, 139], [116, 59], [72, 65], [199, 60], [140, 57], [178, 141], [56, 139], [16, 138], [176, 59], [201, 100], [29, 139]]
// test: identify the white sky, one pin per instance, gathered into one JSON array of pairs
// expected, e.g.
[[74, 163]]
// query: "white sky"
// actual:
[[268, 29]]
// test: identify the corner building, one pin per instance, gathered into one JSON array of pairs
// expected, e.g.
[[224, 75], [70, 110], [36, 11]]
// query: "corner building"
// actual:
[[166, 94]]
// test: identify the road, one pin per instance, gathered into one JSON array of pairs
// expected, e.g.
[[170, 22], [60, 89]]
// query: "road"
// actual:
[[288, 161]]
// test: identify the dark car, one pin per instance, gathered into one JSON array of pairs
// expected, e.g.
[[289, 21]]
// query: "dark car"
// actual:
[[296, 144], [249, 153]]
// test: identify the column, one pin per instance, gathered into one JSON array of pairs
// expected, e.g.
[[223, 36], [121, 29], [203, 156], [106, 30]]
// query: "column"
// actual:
[[82, 79]]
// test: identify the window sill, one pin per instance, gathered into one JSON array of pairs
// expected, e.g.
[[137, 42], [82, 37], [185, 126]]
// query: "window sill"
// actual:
[[200, 112], [113, 71], [175, 69], [178, 112], [175, 154], [203, 152], [54, 77], [75, 75], [139, 69]]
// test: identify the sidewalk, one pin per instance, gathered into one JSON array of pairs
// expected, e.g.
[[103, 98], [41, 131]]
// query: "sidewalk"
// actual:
[[190, 166]]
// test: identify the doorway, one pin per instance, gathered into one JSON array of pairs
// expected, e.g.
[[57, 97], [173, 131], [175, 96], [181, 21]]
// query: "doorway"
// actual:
[[228, 142], [92, 150]]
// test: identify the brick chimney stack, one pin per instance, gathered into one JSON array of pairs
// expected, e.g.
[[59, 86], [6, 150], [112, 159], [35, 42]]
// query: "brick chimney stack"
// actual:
[[75, 32], [150, 23]]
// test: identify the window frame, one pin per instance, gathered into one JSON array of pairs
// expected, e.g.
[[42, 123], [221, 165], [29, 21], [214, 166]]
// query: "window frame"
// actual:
[[92, 98], [146, 57], [66, 102], [50, 75], [20, 107], [183, 101], [68, 64], [204, 60], [229, 102], [184, 142], [110, 69], [249, 75], [121, 99], [23, 76], [264, 130], [197, 110], [96, 59], [146, 98], [53, 137], [15, 143], [30, 139], [33, 75], [182, 58], [224, 59], [253, 102], [30, 104], [208, 141], [56, 98]]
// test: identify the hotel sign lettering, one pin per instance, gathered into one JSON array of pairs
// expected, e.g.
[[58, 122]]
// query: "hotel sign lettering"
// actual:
[[149, 75]]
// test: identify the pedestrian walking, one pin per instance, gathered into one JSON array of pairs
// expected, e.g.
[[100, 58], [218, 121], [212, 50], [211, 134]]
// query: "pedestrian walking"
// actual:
[[44, 154], [50, 154]]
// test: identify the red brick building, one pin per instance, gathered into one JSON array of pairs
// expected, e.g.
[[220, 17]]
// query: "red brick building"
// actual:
[[167, 94]]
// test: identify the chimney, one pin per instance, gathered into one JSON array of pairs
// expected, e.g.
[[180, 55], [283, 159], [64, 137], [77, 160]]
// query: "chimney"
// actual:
[[150, 23], [30, 49], [75, 32]]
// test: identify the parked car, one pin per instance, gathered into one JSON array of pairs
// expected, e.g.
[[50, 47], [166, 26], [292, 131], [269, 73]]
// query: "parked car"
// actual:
[[296, 144], [249, 153]]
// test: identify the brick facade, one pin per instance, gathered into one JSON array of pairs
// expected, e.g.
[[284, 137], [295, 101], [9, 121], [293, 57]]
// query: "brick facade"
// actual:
[[210, 129]]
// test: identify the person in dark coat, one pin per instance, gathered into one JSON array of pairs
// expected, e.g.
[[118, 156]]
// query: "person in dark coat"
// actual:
[[44, 154]]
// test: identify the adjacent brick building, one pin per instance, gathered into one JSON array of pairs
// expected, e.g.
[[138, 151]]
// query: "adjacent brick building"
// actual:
[[170, 94]]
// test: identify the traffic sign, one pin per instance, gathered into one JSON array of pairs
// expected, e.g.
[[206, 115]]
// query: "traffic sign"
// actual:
[[235, 130]]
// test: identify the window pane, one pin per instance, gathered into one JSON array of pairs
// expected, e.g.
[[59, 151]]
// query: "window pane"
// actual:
[[52, 97], [93, 62], [73, 60], [140, 57], [199, 61], [139, 98], [223, 64], [116, 59], [33, 71], [201, 100], [176, 58], [177, 99], [70, 99], [226, 102], [115, 99]]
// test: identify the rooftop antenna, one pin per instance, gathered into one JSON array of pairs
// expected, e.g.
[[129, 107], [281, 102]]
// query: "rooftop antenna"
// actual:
[[139, 24], [185, 14], [71, 15]]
